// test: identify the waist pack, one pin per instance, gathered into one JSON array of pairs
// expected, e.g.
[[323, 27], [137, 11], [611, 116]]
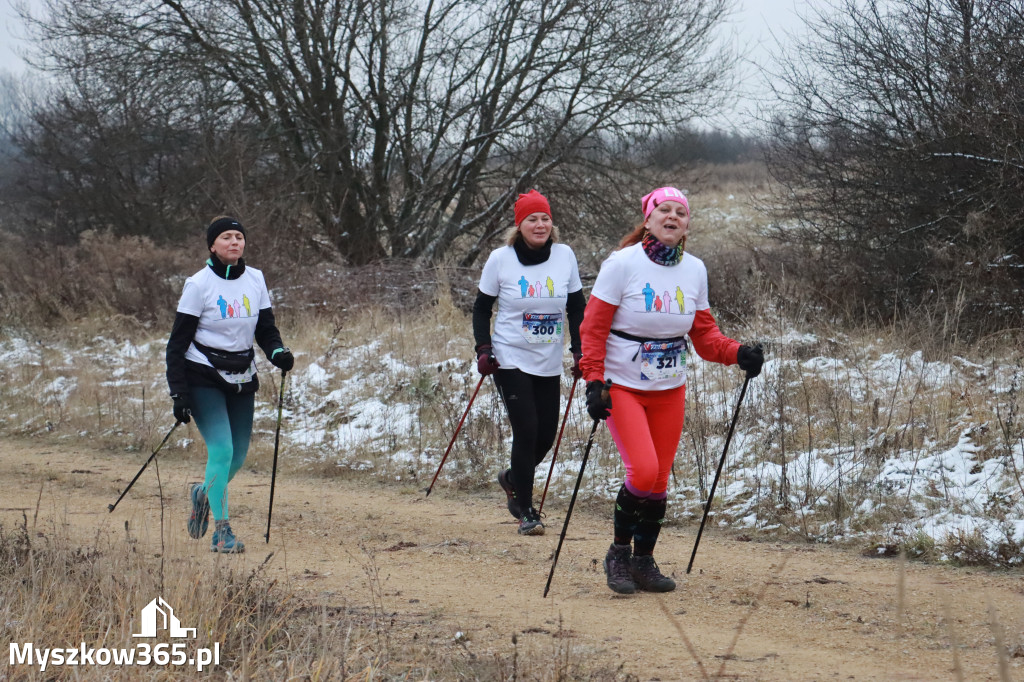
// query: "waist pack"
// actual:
[[227, 360], [641, 340]]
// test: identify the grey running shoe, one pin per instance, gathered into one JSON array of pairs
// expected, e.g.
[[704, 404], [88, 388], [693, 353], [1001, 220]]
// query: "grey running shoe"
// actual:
[[510, 494], [647, 576], [616, 567], [224, 540], [530, 523], [199, 519]]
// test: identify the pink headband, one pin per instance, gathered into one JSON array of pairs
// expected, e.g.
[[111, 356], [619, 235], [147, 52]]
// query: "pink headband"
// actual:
[[661, 195]]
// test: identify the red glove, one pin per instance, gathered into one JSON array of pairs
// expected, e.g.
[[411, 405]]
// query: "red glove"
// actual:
[[486, 363], [577, 373]]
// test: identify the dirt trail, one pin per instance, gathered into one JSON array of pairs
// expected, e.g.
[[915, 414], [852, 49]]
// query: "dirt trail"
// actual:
[[455, 562]]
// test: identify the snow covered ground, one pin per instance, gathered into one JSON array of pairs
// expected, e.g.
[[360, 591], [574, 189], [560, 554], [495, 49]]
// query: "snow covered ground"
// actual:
[[835, 440]]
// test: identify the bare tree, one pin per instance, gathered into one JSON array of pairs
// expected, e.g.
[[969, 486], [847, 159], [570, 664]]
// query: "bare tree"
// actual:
[[898, 153], [410, 125]]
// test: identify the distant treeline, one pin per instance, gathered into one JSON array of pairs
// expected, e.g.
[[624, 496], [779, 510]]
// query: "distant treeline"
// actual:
[[356, 131]]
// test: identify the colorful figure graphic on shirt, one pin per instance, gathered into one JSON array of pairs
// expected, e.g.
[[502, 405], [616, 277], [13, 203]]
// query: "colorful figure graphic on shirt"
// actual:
[[238, 308], [530, 290], [681, 300], [657, 304], [245, 302], [536, 289], [551, 287], [667, 307], [648, 293], [223, 307], [523, 285]]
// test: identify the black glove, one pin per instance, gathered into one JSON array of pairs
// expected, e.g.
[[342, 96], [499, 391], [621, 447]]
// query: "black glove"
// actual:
[[486, 363], [283, 358], [577, 373], [182, 407], [599, 401], [750, 358]]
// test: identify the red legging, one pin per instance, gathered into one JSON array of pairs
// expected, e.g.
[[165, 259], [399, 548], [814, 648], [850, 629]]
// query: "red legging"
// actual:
[[646, 426]]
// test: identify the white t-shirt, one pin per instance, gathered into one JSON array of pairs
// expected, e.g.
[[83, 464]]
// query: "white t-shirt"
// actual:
[[530, 327], [227, 310], [654, 302]]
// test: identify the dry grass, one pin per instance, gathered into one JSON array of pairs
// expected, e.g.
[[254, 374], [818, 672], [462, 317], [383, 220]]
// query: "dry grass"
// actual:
[[837, 439], [836, 418], [56, 593]]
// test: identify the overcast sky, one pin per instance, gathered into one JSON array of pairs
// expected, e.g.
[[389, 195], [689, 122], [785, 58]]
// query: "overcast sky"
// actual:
[[756, 23]]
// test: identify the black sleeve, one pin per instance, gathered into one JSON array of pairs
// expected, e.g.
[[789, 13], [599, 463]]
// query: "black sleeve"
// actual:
[[266, 332], [482, 319], [182, 333], [575, 304]]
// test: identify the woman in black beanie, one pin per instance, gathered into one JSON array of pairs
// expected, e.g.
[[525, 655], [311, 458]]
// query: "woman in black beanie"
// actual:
[[211, 368]]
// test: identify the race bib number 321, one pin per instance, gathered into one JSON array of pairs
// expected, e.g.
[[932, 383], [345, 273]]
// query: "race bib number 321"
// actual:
[[662, 360]]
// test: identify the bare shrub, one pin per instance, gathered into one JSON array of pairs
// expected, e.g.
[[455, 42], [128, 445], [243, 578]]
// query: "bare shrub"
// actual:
[[128, 279]]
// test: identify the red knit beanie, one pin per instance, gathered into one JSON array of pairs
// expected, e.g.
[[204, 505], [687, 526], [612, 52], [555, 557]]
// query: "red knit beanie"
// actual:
[[531, 202]]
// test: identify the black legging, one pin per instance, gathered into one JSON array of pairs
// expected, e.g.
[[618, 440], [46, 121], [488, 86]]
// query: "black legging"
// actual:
[[532, 403]]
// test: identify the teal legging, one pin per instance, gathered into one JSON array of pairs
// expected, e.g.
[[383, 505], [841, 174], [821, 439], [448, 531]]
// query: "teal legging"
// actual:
[[225, 422]]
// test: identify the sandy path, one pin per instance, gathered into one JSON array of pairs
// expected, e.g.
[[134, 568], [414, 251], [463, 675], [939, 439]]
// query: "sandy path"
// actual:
[[454, 562]]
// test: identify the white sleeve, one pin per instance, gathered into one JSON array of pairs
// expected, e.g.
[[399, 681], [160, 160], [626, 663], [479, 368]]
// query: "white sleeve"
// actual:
[[489, 283], [191, 302], [702, 291], [574, 277], [264, 294], [608, 286]]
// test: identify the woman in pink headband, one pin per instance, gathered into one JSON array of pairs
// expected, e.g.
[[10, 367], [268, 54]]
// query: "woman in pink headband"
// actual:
[[649, 302]]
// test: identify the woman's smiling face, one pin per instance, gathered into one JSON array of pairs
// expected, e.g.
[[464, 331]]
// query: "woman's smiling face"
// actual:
[[669, 223]]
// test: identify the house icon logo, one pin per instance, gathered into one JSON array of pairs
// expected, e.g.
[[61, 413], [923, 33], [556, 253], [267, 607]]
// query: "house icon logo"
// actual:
[[158, 614]]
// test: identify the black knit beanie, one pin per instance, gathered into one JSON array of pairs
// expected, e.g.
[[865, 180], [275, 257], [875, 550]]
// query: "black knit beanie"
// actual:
[[221, 225]]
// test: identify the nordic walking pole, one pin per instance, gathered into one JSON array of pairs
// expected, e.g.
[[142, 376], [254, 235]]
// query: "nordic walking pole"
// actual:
[[454, 435], [111, 507], [277, 441], [711, 495], [572, 500], [554, 455]]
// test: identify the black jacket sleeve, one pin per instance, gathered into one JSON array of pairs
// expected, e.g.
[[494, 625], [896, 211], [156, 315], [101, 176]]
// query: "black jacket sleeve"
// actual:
[[267, 335], [482, 308], [575, 304], [182, 333]]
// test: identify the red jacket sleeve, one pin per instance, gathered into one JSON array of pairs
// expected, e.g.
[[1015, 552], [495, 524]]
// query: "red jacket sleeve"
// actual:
[[597, 322], [709, 341]]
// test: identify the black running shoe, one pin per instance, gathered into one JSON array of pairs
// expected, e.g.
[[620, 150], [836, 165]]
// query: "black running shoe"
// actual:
[[647, 576], [616, 567], [510, 493], [530, 523]]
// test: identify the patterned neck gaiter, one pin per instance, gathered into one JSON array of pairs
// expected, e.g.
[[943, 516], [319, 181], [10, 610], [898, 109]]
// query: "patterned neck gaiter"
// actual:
[[661, 254]]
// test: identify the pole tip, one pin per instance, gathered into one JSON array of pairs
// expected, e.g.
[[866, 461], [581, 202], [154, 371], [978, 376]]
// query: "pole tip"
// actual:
[[427, 490], [110, 507]]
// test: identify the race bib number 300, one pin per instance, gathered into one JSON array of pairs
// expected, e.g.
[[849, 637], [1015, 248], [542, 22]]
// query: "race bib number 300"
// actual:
[[662, 360], [542, 327]]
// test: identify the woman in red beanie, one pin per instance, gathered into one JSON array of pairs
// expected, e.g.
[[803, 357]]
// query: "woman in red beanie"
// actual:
[[649, 297], [536, 283]]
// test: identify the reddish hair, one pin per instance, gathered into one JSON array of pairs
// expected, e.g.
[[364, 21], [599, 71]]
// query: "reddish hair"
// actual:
[[636, 235]]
